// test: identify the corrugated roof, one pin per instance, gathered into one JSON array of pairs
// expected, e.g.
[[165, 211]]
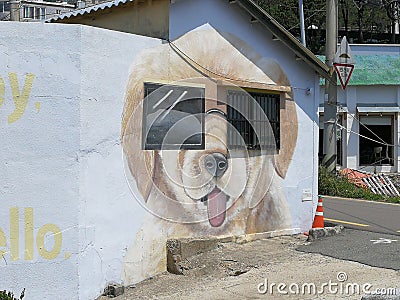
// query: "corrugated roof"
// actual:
[[88, 10], [374, 70]]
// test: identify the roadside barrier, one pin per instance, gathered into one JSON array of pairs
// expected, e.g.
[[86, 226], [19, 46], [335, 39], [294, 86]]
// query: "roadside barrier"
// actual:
[[319, 215]]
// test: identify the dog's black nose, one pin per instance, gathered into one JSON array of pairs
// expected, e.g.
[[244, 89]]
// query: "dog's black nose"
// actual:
[[216, 164]]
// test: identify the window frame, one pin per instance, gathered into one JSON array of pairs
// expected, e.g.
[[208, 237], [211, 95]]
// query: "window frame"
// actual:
[[26, 12], [37, 13], [392, 135], [42, 13], [275, 123], [161, 145], [31, 14]]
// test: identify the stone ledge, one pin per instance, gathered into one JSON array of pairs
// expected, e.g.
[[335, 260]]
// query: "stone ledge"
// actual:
[[114, 290], [180, 249], [319, 233]]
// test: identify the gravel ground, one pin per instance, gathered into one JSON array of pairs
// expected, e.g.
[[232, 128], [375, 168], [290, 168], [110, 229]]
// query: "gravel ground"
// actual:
[[234, 271]]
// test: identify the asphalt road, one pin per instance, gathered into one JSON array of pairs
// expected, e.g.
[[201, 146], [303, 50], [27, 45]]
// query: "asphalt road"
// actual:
[[371, 235], [366, 247], [362, 214]]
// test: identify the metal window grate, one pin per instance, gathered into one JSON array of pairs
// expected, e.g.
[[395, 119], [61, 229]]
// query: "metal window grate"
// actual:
[[255, 120]]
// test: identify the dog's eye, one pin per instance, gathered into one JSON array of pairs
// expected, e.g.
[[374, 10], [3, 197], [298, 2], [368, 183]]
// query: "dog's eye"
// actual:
[[209, 165]]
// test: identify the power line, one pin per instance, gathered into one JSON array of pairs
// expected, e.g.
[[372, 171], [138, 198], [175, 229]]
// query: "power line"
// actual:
[[224, 76], [358, 120], [175, 48], [382, 141], [365, 126], [365, 137]]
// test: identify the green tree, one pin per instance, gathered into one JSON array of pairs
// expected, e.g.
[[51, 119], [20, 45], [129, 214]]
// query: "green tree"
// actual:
[[286, 12], [362, 21]]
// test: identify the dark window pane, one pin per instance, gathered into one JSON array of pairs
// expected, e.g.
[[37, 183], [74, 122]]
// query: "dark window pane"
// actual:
[[173, 117], [371, 152]]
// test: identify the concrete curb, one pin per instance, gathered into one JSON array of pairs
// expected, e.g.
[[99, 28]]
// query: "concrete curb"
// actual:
[[319, 233], [360, 200], [180, 249]]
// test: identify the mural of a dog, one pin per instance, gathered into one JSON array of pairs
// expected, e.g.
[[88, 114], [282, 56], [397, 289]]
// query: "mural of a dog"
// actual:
[[183, 198]]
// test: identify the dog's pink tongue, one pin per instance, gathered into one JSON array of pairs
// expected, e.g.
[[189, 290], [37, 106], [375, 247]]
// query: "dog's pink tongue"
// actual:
[[216, 207]]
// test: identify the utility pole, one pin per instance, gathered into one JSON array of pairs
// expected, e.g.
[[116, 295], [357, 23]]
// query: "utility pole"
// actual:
[[330, 100], [302, 29], [15, 14]]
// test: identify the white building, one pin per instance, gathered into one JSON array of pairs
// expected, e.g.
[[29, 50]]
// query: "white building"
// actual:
[[368, 110], [40, 10], [88, 199]]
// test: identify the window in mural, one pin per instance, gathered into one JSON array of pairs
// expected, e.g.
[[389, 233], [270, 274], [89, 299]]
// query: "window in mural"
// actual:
[[173, 117], [253, 126], [374, 129], [4, 6]]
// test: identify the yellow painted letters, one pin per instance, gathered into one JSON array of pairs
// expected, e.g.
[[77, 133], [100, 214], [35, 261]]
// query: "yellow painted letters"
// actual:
[[46, 232], [28, 213], [14, 233], [57, 234], [3, 243], [20, 99]]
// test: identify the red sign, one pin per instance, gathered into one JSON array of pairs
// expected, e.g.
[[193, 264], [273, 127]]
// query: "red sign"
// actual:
[[344, 72]]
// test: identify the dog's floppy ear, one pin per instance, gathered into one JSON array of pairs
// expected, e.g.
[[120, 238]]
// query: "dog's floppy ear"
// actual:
[[288, 128], [141, 163]]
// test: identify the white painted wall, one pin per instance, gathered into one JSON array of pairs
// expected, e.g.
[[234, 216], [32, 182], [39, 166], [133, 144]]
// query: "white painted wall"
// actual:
[[63, 160], [109, 214], [39, 168]]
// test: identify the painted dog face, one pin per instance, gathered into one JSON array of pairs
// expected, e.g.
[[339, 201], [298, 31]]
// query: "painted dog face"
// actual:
[[214, 186], [207, 181]]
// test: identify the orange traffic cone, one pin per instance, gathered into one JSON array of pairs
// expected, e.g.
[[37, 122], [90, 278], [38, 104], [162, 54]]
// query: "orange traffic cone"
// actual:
[[319, 215]]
